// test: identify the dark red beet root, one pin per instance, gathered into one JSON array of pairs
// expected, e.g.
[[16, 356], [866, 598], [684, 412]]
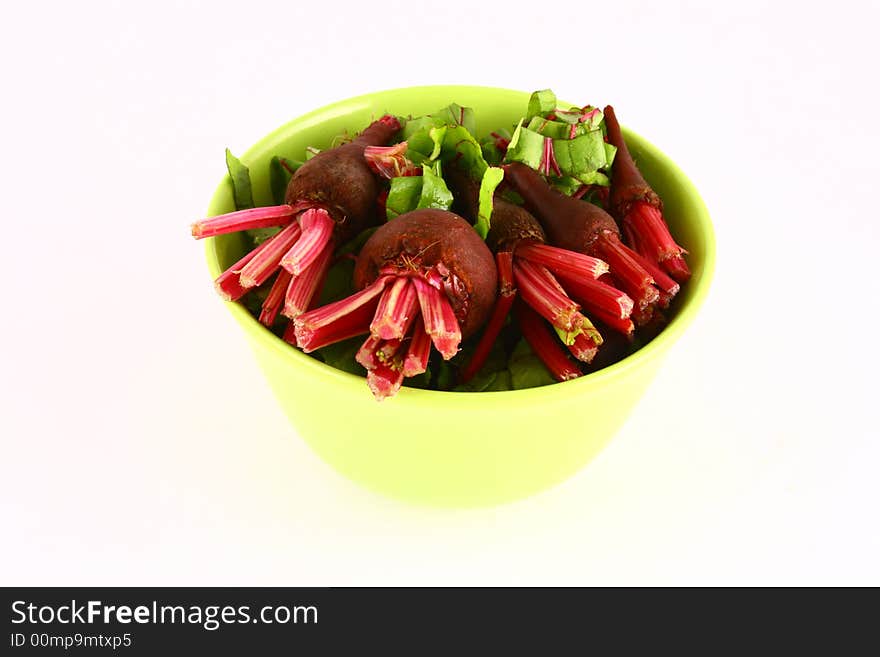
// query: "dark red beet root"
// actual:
[[585, 228], [329, 199], [638, 208], [340, 181], [444, 242], [534, 270], [425, 277]]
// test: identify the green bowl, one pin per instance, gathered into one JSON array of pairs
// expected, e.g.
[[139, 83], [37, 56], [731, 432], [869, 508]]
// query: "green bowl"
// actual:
[[452, 448]]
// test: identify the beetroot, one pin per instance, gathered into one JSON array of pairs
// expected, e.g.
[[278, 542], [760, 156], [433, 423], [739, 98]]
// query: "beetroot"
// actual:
[[585, 228], [425, 277], [528, 267], [329, 199], [640, 211]]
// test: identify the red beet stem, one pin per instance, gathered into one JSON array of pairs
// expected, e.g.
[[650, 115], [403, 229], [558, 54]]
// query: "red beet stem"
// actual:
[[366, 355], [390, 161], [384, 381], [614, 322], [655, 241], [628, 268], [562, 261], [339, 320], [439, 317], [228, 284], [504, 263], [303, 288], [272, 304], [540, 290], [544, 343], [257, 271], [276, 215], [416, 360], [289, 334], [317, 230], [597, 295], [398, 308], [584, 348]]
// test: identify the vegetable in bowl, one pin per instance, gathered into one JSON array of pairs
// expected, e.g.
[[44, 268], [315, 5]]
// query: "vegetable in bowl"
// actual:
[[432, 444], [587, 279]]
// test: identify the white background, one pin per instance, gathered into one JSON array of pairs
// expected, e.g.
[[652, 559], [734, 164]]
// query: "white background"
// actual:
[[141, 444]]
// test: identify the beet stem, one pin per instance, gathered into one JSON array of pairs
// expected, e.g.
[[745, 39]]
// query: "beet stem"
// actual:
[[614, 322], [398, 308], [544, 343], [289, 334], [504, 264], [597, 295], [384, 381], [317, 230], [416, 360], [439, 317], [627, 267], [276, 215], [228, 284], [584, 348], [303, 288], [390, 161], [540, 290], [366, 355], [655, 240], [272, 304], [563, 261], [325, 324], [257, 271]]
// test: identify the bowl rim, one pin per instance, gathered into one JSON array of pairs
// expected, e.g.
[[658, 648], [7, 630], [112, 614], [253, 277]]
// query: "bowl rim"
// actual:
[[554, 392]]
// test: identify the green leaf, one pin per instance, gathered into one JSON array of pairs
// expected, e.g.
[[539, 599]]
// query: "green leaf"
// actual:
[[260, 235], [241, 182], [435, 193], [594, 178], [583, 154], [459, 144], [478, 384], [445, 376], [338, 283], [355, 244], [547, 128], [491, 179], [503, 381], [526, 369], [541, 102], [280, 172], [422, 380], [610, 152], [526, 146], [437, 134], [403, 196], [341, 355]]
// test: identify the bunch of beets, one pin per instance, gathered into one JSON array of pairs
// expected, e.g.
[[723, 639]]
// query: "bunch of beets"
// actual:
[[578, 278]]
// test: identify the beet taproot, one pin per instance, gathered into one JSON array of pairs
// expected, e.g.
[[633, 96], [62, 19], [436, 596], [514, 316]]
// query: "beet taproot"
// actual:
[[585, 228], [423, 278], [329, 199], [639, 209], [534, 271]]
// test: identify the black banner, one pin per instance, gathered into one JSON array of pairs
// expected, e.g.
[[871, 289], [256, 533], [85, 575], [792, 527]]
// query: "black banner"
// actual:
[[319, 621]]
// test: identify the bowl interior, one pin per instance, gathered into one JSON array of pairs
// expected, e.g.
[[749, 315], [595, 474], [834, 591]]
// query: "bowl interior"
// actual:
[[683, 208]]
